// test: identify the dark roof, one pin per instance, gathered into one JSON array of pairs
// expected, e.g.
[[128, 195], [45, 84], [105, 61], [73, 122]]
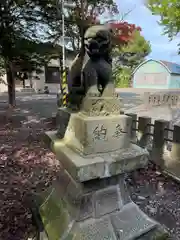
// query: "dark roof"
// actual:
[[174, 68]]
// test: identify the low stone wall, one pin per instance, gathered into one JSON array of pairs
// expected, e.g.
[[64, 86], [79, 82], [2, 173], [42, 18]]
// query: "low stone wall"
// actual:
[[161, 139]]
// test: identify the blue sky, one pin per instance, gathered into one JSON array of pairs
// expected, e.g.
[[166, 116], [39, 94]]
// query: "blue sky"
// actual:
[[162, 49]]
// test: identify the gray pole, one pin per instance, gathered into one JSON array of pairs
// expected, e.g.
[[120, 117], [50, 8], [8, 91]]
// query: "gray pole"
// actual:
[[63, 36], [82, 26]]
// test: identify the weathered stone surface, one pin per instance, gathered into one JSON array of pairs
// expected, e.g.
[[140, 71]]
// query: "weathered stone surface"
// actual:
[[109, 103], [128, 159], [101, 106], [172, 168], [88, 197], [158, 233], [62, 182], [43, 236], [89, 167], [107, 200], [86, 207], [55, 216], [74, 190], [159, 99], [103, 183], [131, 222], [93, 146], [91, 135], [126, 223], [97, 209], [124, 191], [62, 120], [96, 229], [89, 72], [77, 204]]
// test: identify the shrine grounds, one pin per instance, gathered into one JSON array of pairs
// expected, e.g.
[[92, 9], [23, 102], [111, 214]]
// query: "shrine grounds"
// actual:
[[27, 165]]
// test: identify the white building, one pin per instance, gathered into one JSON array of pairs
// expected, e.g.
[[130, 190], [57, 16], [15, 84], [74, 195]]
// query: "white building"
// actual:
[[49, 77]]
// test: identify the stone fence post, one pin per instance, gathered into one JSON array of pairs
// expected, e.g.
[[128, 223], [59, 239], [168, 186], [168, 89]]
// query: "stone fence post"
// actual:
[[143, 130], [175, 151], [133, 127], [159, 141]]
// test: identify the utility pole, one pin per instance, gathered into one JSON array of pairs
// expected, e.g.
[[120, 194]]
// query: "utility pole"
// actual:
[[82, 24], [65, 5], [63, 36], [64, 73]]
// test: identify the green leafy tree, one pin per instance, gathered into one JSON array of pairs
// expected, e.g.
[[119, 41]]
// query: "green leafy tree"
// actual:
[[23, 25], [84, 14], [169, 12], [127, 58], [123, 77], [81, 15], [33, 57], [78, 16], [26, 24]]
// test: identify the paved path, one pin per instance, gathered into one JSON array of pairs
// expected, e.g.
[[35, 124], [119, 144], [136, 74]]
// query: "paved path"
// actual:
[[44, 106], [39, 105]]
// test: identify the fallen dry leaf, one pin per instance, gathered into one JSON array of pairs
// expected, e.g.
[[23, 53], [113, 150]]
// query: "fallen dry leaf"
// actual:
[[26, 165]]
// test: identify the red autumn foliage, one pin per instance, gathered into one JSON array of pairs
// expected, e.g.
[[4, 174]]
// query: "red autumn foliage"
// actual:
[[123, 32]]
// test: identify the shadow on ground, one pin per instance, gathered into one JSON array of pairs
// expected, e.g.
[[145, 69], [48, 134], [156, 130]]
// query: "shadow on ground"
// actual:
[[26, 166], [36, 105]]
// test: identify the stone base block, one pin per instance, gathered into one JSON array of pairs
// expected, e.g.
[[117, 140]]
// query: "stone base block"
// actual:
[[99, 134], [169, 166], [95, 210], [87, 167], [102, 106], [62, 120], [172, 168]]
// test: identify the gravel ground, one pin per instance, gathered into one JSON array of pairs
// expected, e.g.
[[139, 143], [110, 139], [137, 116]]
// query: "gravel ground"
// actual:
[[26, 165], [158, 196]]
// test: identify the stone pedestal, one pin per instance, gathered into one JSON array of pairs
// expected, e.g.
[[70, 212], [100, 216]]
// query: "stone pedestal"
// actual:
[[100, 165], [92, 135], [62, 119], [94, 210], [90, 199]]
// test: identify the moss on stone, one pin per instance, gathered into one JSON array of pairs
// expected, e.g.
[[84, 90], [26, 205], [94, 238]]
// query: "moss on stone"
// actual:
[[162, 236]]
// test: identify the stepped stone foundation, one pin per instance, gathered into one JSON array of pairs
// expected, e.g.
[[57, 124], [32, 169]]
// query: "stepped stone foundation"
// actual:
[[90, 200]]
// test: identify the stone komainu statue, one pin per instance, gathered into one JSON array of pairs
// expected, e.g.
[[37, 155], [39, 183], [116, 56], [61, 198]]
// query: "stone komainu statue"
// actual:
[[91, 71]]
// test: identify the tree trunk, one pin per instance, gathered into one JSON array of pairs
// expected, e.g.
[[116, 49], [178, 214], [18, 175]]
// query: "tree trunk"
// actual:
[[24, 85], [30, 82], [11, 85]]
